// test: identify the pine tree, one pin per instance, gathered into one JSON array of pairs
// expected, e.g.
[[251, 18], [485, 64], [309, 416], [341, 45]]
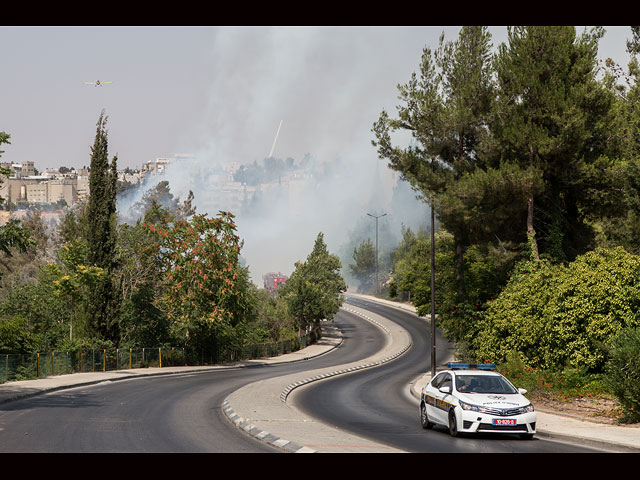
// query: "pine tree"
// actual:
[[549, 118], [446, 110]]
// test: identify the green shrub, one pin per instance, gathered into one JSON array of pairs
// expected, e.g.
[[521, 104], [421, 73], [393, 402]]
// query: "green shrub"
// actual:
[[623, 372], [15, 337], [559, 316]]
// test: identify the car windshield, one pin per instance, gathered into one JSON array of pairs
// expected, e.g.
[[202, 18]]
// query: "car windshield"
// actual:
[[470, 383]]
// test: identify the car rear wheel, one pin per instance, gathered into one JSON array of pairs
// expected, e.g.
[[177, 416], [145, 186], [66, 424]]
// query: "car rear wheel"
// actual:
[[453, 424], [424, 417]]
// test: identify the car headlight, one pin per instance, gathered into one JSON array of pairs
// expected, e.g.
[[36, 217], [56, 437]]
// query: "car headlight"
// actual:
[[527, 409], [473, 408]]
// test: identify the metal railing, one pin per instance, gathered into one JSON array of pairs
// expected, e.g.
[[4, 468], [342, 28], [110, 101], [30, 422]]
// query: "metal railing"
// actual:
[[35, 365]]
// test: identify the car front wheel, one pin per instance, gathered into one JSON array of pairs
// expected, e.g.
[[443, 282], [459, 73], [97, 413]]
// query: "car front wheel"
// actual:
[[424, 417], [453, 424]]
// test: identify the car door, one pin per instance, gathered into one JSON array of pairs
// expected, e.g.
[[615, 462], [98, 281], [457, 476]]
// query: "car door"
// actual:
[[430, 397], [435, 403], [442, 399]]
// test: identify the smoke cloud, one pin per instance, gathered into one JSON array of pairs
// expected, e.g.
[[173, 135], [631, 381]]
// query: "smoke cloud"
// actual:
[[327, 86]]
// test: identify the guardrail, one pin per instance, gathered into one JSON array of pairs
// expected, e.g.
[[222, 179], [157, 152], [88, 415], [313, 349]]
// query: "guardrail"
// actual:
[[35, 365]]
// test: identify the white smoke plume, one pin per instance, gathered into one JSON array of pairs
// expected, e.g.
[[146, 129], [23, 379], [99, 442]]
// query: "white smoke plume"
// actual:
[[327, 86]]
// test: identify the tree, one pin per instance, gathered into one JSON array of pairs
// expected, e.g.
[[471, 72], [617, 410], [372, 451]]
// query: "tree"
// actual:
[[446, 111], [101, 234], [364, 268], [550, 118], [204, 288], [613, 179], [12, 235], [633, 45], [161, 195], [140, 279], [274, 317], [313, 292], [73, 278], [45, 313]]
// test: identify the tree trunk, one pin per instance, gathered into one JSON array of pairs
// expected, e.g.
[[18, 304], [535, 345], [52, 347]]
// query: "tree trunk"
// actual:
[[531, 233], [71, 322]]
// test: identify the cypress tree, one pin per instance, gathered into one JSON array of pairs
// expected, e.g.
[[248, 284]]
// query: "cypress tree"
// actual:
[[101, 234]]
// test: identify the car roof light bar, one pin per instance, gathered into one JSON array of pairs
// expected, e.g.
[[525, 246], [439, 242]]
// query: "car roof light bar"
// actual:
[[469, 366]]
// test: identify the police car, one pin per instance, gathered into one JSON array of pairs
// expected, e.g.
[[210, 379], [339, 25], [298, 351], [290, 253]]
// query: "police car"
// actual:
[[473, 398]]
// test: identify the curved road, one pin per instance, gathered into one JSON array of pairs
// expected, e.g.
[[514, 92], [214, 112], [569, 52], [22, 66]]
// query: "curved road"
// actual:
[[167, 413], [183, 413], [376, 403]]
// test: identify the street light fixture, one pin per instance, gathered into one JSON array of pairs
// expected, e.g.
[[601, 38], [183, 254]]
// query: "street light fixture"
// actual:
[[377, 217]]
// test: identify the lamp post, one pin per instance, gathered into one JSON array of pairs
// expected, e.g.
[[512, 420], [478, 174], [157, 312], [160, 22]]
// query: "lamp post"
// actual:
[[433, 282], [433, 294], [377, 217]]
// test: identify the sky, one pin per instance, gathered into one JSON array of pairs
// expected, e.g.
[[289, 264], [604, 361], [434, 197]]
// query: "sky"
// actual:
[[219, 95], [184, 90]]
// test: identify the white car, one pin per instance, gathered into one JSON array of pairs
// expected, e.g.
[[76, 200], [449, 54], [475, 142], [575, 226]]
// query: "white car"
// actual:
[[472, 398]]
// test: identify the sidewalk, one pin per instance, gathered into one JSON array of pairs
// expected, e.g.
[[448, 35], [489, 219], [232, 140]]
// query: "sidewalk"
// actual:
[[276, 420]]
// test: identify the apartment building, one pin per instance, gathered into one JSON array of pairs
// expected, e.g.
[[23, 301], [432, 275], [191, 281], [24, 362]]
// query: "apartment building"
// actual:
[[24, 186]]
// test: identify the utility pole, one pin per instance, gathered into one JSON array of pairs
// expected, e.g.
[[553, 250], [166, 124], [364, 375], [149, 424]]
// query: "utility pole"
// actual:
[[377, 217], [433, 284], [433, 294]]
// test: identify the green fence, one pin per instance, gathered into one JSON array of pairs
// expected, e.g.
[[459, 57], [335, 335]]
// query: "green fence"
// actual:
[[35, 365]]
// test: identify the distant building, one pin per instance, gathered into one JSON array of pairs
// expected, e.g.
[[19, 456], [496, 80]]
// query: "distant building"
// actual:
[[24, 169], [155, 167], [23, 186]]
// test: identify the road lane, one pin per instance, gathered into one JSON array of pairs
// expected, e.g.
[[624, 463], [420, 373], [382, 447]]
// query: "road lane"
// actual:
[[168, 413], [374, 403]]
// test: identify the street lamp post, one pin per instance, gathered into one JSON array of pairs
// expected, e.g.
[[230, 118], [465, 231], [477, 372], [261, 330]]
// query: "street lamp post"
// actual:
[[377, 217], [433, 295], [433, 283]]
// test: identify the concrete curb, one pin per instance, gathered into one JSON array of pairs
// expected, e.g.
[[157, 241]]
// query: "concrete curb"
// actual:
[[292, 386], [293, 446], [262, 435]]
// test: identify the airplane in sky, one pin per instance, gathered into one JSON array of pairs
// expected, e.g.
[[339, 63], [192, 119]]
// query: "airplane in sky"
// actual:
[[96, 83]]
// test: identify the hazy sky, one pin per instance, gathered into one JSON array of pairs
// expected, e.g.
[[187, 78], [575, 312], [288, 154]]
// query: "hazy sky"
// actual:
[[206, 91]]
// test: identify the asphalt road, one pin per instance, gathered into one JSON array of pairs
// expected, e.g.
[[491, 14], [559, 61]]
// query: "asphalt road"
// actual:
[[183, 413], [376, 403], [169, 413]]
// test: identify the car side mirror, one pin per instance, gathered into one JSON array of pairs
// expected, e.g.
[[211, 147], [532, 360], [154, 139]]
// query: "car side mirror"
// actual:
[[445, 389], [522, 391]]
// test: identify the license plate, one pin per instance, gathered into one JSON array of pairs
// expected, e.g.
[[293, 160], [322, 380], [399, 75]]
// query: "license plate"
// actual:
[[504, 421]]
